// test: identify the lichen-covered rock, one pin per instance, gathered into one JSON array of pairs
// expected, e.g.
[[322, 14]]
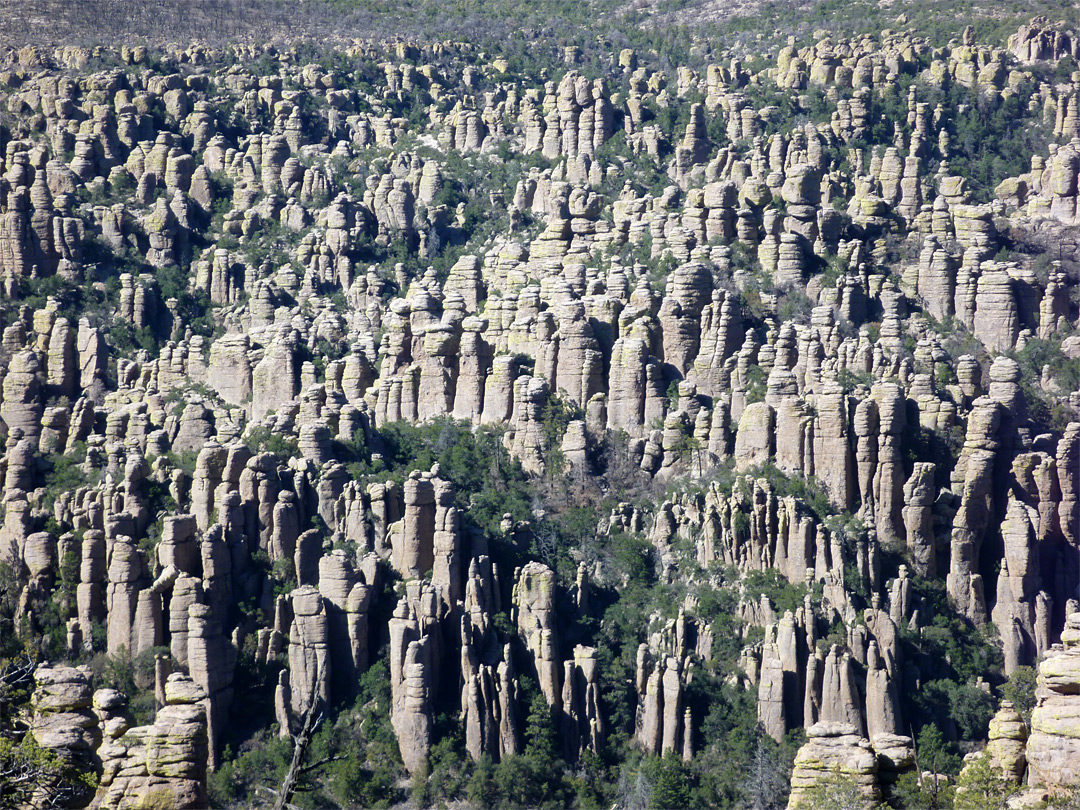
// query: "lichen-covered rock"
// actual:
[[1006, 738], [1053, 747], [160, 765], [834, 751], [534, 600], [63, 720]]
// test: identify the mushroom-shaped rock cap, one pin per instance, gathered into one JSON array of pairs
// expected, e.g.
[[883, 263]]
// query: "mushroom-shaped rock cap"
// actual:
[[180, 689]]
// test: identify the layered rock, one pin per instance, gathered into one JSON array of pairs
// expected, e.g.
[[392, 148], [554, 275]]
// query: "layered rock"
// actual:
[[64, 722], [1053, 747], [834, 753], [160, 765], [633, 338]]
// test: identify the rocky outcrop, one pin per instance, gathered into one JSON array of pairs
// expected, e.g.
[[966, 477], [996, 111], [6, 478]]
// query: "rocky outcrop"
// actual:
[[1053, 750], [662, 718], [160, 765], [1005, 743], [236, 298], [834, 751], [64, 722], [412, 681], [534, 603], [1039, 41]]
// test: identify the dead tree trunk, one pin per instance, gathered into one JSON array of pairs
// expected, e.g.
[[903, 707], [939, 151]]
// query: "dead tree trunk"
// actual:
[[301, 743]]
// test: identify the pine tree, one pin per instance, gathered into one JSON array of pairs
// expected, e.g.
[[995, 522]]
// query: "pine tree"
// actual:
[[540, 730], [670, 783], [981, 786]]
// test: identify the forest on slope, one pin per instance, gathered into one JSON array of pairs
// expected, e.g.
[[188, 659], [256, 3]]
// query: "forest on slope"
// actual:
[[540, 405]]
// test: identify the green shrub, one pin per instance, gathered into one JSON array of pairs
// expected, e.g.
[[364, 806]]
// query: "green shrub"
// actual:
[[35, 776], [774, 585], [981, 786], [1020, 689], [670, 782], [263, 440]]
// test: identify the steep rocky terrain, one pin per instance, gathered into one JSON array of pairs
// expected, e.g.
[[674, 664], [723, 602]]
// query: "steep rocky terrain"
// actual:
[[410, 422]]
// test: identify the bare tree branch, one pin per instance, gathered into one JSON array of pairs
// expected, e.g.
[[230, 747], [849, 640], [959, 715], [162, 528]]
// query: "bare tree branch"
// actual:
[[321, 762], [313, 717]]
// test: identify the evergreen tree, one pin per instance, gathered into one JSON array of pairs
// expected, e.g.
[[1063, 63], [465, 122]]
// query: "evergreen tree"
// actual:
[[981, 786], [1020, 690], [839, 791], [670, 783]]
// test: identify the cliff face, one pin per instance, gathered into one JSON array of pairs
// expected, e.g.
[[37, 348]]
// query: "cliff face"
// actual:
[[814, 370]]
